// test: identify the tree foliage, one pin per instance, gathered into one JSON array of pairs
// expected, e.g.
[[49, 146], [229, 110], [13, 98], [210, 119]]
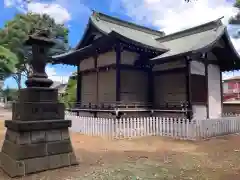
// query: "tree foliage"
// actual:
[[16, 32], [237, 4], [8, 60], [236, 19], [69, 97]]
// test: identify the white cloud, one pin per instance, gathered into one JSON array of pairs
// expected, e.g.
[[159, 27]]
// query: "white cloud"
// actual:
[[8, 3], [61, 10], [171, 15], [227, 75], [56, 11], [51, 72]]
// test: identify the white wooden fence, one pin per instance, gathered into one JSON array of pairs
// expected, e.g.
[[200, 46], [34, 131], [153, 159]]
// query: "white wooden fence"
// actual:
[[154, 126]]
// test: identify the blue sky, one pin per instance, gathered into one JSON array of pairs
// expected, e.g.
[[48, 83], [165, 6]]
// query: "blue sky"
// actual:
[[167, 15]]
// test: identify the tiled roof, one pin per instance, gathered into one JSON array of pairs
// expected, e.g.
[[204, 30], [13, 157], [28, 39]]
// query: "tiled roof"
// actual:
[[192, 39], [133, 32]]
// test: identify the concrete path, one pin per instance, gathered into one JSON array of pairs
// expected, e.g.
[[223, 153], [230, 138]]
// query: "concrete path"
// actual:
[[5, 114]]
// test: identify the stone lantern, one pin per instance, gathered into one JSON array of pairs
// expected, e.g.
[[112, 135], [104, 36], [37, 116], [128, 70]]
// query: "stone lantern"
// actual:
[[40, 45], [37, 137]]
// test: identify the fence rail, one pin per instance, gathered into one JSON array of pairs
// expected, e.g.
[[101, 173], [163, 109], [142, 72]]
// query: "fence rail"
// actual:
[[177, 128]]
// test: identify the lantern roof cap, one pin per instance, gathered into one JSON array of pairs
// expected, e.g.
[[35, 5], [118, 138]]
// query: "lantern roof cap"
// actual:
[[40, 37]]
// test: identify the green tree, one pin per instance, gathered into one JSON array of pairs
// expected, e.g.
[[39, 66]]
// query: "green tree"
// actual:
[[15, 33], [236, 19], [237, 4], [69, 98], [8, 60]]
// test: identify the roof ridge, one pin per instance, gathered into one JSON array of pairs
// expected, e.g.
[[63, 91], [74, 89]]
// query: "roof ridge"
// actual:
[[127, 23], [193, 30]]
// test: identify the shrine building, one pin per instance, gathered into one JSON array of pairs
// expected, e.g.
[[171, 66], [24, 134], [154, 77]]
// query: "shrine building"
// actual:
[[125, 69]]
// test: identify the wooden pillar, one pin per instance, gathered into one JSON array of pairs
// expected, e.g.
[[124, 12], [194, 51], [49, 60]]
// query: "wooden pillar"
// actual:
[[97, 79], [150, 86], [188, 87], [206, 83], [118, 72], [79, 86]]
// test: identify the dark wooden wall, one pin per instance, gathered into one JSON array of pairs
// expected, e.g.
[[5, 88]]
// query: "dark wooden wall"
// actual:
[[134, 86], [169, 83], [88, 88], [99, 85], [169, 88], [107, 86]]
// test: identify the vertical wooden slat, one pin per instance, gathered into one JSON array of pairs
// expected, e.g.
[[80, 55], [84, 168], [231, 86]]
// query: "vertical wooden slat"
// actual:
[[161, 125], [138, 126], [145, 126], [188, 86]]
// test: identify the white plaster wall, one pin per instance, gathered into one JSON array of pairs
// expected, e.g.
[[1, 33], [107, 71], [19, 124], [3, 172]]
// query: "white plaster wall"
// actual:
[[197, 68], [214, 91], [106, 59], [87, 64], [128, 57], [199, 112]]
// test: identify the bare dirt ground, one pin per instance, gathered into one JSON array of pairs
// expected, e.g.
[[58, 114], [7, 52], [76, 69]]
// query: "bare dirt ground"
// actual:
[[148, 158]]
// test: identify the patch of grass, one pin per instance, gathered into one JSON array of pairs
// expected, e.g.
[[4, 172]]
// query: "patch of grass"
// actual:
[[141, 169], [183, 166], [131, 171]]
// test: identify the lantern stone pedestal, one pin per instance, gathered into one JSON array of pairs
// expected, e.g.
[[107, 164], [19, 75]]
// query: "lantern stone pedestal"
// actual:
[[37, 139]]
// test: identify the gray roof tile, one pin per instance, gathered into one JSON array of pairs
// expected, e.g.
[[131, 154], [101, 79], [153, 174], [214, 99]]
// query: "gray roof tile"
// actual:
[[133, 32], [191, 40]]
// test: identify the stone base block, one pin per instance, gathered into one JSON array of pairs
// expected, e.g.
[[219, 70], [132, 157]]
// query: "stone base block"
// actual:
[[16, 168], [38, 94], [25, 152], [17, 125], [33, 111]]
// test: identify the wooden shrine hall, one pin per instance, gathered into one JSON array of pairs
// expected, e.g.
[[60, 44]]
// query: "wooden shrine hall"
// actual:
[[129, 70]]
